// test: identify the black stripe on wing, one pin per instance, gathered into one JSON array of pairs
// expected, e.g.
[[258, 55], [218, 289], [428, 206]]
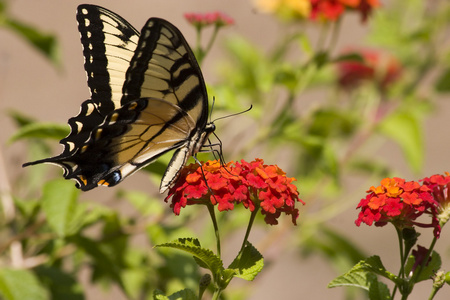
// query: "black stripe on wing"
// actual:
[[165, 67], [108, 43]]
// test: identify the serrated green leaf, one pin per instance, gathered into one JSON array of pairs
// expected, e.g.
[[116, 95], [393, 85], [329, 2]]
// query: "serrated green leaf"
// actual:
[[40, 131], [373, 265], [433, 266], [59, 203], [379, 291], [18, 284], [206, 257], [355, 278], [249, 264], [365, 280], [159, 295]]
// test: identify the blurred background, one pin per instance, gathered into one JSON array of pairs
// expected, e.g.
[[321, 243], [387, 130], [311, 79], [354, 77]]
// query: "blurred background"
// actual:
[[52, 92]]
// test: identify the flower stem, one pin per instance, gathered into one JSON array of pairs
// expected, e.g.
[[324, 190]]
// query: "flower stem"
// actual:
[[216, 294], [216, 227], [249, 228], [211, 41], [199, 53], [402, 269]]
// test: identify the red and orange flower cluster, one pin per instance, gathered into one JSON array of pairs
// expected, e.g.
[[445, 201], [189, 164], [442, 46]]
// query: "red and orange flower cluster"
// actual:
[[332, 10], [252, 184], [200, 20], [323, 10], [400, 202]]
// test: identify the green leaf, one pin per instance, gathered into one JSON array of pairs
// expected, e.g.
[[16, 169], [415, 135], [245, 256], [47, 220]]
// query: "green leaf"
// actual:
[[62, 285], [43, 42], [204, 257], [102, 262], [365, 280], [59, 203], [405, 129], [249, 264], [185, 294], [352, 57], [143, 203], [375, 265], [433, 266], [443, 83], [41, 131], [20, 119], [359, 278], [18, 284], [363, 275]]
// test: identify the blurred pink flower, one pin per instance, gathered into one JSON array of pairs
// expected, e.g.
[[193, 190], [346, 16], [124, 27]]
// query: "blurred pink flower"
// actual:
[[211, 18]]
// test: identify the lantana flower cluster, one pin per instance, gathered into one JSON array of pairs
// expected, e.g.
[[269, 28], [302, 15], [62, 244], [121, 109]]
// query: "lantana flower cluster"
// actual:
[[320, 10], [252, 184], [402, 202]]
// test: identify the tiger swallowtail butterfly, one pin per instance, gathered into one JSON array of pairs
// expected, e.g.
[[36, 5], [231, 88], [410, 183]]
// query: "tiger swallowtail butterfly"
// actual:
[[148, 97]]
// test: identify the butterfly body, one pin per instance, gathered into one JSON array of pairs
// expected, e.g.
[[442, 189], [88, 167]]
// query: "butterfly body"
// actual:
[[148, 97]]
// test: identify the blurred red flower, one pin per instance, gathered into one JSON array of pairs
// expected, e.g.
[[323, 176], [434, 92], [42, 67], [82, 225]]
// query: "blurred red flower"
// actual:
[[252, 184], [381, 68], [331, 10], [204, 19]]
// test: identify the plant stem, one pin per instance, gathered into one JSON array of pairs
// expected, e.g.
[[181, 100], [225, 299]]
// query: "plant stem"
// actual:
[[216, 227], [402, 269], [199, 54], [216, 294], [249, 228], [211, 41]]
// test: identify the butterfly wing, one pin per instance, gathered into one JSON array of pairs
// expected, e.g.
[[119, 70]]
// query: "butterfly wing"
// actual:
[[165, 67], [163, 105], [170, 111], [109, 42]]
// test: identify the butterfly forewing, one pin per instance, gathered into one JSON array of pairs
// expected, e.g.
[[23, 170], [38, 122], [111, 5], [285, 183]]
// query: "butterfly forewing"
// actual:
[[109, 42], [164, 67]]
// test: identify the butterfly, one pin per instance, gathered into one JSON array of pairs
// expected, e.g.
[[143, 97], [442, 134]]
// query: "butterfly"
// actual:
[[148, 97]]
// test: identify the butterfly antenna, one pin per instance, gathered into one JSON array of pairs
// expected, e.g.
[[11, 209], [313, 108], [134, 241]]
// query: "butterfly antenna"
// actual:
[[236, 114], [212, 107]]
